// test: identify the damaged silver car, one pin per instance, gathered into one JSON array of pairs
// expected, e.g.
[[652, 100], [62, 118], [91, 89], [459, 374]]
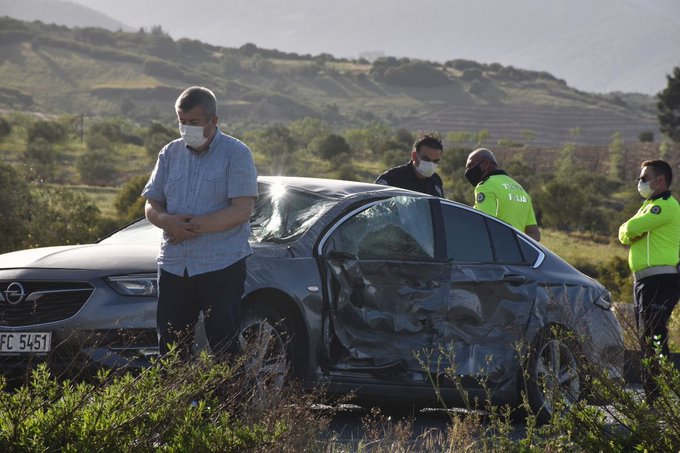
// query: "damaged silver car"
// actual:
[[359, 287]]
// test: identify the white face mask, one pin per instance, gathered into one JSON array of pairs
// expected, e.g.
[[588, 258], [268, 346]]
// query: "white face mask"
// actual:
[[644, 190], [426, 169], [193, 135]]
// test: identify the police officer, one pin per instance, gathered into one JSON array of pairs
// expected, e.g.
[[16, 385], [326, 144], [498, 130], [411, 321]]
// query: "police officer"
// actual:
[[653, 234], [420, 173], [498, 194]]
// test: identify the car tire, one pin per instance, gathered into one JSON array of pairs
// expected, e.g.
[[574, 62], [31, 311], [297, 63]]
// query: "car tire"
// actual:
[[554, 373], [267, 341]]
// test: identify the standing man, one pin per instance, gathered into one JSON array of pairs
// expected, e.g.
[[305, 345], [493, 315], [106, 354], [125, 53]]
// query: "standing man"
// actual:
[[419, 174], [498, 194], [653, 234], [201, 194]]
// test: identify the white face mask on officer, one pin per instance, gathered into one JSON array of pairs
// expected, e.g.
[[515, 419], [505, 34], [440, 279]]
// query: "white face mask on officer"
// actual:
[[644, 185], [644, 189], [193, 135], [426, 169]]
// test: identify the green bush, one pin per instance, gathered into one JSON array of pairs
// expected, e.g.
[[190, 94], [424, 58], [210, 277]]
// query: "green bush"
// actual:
[[97, 167], [417, 74], [40, 157], [157, 136], [129, 203], [334, 148], [49, 131], [5, 127], [172, 406], [61, 217], [15, 205]]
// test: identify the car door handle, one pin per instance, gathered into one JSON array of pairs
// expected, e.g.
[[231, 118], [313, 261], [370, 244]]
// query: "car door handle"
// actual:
[[514, 279]]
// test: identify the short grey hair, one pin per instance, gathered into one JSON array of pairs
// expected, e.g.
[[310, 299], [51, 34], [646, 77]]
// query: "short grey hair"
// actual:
[[193, 97]]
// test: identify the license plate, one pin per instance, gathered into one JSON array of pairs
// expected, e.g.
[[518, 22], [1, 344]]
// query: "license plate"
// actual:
[[18, 342]]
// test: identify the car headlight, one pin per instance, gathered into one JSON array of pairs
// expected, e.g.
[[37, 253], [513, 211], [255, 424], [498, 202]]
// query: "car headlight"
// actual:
[[604, 301], [135, 285]]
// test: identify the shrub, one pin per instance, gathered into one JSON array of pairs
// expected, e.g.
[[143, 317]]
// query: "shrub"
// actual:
[[15, 203], [415, 74], [129, 203], [5, 127], [646, 137], [157, 136], [49, 131], [60, 217], [334, 148], [203, 405], [40, 158], [97, 167]]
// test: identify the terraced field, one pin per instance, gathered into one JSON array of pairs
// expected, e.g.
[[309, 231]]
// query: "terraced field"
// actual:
[[550, 125]]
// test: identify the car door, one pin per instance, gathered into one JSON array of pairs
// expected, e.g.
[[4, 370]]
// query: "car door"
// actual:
[[492, 292], [386, 286]]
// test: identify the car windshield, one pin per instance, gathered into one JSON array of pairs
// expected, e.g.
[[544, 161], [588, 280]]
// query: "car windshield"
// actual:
[[281, 214]]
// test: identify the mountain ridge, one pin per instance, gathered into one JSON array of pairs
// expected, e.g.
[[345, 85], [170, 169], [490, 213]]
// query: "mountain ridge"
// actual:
[[91, 71], [531, 34]]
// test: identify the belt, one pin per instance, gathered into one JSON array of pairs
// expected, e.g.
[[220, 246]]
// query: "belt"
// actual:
[[655, 270]]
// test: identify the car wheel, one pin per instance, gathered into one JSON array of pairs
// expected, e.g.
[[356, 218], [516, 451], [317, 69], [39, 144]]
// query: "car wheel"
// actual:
[[553, 374], [266, 342]]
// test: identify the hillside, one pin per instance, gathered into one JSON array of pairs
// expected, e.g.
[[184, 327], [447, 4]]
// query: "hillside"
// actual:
[[92, 71], [597, 46]]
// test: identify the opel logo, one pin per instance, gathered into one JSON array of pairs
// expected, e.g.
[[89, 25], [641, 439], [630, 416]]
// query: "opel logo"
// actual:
[[15, 293]]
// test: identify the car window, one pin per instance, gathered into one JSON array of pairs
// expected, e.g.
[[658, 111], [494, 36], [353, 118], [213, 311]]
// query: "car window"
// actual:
[[530, 253], [399, 228], [504, 242], [282, 214], [467, 239]]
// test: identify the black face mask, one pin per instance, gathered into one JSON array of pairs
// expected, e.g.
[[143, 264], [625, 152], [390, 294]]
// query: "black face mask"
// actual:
[[474, 174]]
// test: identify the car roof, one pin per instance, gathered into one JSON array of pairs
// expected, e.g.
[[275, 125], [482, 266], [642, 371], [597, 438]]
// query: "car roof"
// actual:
[[335, 188]]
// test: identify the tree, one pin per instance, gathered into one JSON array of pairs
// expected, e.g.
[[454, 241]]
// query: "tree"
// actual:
[[309, 131], [15, 202], [50, 131], [669, 106], [646, 137], [5, 127], [40, 157], [129, 203], [157, 136], [277, 143], [60, 217], [97, 167], [334, 148]]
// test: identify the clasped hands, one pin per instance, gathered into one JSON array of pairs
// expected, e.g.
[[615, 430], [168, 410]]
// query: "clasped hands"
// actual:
[[179, 228]]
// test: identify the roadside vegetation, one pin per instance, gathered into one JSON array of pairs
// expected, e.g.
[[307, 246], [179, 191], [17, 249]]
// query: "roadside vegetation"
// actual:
[[208, 405]]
